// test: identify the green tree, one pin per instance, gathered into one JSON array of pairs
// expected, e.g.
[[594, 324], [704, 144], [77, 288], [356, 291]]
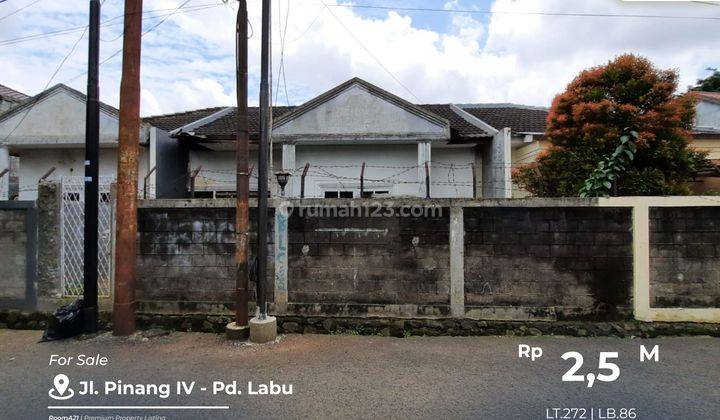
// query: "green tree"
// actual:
[[598, 108], [710, 83]]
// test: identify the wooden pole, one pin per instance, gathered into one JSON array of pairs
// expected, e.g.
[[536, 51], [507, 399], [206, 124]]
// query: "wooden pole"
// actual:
[[242, 179], [128, 144]]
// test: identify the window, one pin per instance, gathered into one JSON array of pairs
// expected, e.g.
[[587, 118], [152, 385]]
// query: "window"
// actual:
[[376, 193], [338, 194]]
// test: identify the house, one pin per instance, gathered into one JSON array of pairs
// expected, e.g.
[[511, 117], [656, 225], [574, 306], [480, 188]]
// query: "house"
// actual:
[[9, 181], [706, 137], [357, 133], [47, 134], [10, 98]]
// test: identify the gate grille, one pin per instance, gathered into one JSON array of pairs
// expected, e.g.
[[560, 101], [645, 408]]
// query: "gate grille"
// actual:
[[72, 214]]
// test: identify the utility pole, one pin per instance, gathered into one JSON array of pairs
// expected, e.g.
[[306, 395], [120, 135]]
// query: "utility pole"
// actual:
[[263, 328], [92, 171], [239, 329], [128, 143]]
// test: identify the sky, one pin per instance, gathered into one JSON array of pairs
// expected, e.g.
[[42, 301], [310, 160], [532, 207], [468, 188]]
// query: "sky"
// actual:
[[487, 51]]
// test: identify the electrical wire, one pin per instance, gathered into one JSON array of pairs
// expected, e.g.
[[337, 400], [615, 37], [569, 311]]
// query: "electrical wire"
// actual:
[[57, 70], [499, 12], [377, 60], [18, 10]]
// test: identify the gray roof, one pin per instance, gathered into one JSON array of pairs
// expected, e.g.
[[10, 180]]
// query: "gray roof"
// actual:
[[519, 118], [11, 95]]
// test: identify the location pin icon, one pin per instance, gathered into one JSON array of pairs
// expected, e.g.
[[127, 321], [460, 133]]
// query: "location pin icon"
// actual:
[[61, 383]]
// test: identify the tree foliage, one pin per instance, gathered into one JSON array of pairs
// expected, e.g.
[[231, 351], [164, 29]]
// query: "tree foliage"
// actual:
[[710, 83], [588, 120]]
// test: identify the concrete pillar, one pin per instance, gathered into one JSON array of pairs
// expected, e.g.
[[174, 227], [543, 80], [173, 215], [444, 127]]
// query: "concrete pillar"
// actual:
[[152, 180], [288, 165], [5, 180], [49, 280], [423, 155], [497, 166], [641, 262], [281, 257], [457, 262]]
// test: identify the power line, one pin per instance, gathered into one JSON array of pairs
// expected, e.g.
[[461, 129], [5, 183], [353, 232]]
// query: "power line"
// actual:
[[57, 70], [117, 52], [19, 10], [107, 23], [498, 12], [370, 53], [281, 71]]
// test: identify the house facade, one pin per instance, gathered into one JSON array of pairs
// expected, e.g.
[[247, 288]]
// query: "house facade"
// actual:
[[360, 140], [46, 133]]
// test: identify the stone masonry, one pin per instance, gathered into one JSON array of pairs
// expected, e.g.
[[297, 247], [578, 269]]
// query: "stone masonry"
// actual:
[[186, 259], [685, 257], [566, 262]]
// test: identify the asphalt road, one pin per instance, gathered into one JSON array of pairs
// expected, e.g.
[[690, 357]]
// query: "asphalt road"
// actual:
[[364, 377]]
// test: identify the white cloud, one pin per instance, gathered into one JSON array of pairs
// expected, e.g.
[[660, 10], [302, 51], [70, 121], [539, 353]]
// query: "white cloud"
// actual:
[[188, 61]]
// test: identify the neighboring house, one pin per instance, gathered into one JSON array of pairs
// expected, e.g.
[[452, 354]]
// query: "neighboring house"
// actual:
[[9, 182], [706, 137], [10, 98], [358, 123], [48, 131]]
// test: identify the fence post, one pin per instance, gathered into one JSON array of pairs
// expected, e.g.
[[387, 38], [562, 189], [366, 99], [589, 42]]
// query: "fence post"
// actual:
[[362, 180], [145, 186], [474, 180], [302, 180], [457, 262], [193, 175], [49, 254], [427, 180]]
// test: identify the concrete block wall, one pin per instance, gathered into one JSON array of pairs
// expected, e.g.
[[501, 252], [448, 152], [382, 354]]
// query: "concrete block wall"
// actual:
[[369, 260], [555, 262], [13, 243], [186, 259], [685, 257]]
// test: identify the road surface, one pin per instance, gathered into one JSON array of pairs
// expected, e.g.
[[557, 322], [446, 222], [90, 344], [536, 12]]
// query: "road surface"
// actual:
[[357, 377]]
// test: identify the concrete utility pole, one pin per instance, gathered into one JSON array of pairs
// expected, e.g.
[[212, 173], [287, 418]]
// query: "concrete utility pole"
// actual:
[[239, 329], [128, 139], [263, 328], [92, 172]]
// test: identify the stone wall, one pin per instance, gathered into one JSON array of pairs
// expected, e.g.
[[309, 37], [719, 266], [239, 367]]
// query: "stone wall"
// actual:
[[556, 262], [13, 258], [685, 257], [369, 260], [186, 258], [18, 256]]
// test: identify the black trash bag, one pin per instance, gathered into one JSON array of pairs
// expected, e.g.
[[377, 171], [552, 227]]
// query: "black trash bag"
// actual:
[[66, 322]]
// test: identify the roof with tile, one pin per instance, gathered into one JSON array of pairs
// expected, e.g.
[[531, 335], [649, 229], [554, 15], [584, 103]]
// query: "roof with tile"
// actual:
[[519, 118], [169, 122], [11, 95]]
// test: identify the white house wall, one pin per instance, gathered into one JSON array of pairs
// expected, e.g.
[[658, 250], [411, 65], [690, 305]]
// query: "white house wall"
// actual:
[[35, 163], [56, 121], [451, 174], [218, 169]]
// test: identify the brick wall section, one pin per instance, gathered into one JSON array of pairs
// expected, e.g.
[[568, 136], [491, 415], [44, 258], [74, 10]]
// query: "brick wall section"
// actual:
[[13, 243], [576, 259], [685, 257], [369, 260], [187, 255]]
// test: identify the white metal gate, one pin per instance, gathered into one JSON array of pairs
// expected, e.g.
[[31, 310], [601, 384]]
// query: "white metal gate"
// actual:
[[72, 213]]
